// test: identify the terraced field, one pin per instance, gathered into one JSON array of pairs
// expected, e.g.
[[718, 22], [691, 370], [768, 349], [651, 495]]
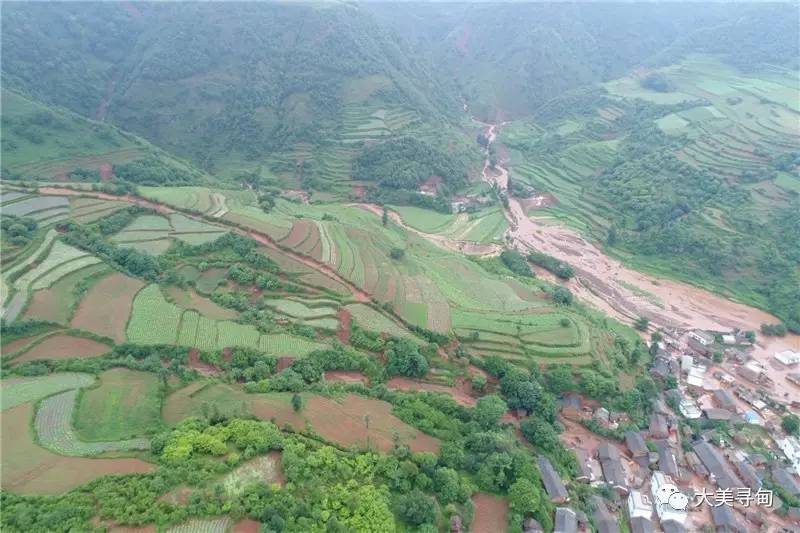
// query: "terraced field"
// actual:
[[485, 226], [16, 391], [154, 320], [154, 233], [46, 210]]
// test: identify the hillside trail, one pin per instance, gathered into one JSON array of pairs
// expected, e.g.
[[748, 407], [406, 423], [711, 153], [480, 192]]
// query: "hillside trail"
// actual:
[[624, 293]]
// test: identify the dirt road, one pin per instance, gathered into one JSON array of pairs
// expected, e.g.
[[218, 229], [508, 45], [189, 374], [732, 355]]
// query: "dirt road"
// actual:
[[625, 293]]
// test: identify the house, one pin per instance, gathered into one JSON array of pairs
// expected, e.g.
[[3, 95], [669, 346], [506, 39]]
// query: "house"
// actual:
[[748, 473], [552, 482], [790, 446], [717, 466], [660, 368], [785, 479], [639, 505], [659, 427], [604, 520], [665, 511], [529, 525], [696, 377], [751, 372], [571, 406], [724, 400], [670, 526], [788, 357], [725, 520], [601, 415], [751, 417], [694, 462], [729, 338], [703, 338], [666, 459], [689, 409], [585, 473], [636, 444], [611, 465], [566, 521], [714, 413], [641, 525]]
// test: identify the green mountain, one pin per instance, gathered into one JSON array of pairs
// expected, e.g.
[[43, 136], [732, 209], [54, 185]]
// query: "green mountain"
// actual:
[[228, 81]]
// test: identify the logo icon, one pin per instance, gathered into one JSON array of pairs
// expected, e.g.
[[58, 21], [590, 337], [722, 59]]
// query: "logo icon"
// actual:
[[669, 494]]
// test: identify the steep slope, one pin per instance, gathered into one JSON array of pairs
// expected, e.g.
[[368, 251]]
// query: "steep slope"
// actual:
[[219, 80], [511, 58]]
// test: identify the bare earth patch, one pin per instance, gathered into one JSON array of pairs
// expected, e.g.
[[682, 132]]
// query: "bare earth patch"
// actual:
[[64, 347], [107, 306], [491, 513]]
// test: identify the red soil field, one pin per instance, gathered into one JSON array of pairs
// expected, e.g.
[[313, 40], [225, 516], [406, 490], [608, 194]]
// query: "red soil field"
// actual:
[[246, 526], [64, 347], [300, 231], [312, 240], [44, 306], [29, 469], [344, 326], [491, 513], [460, 394], [19, 344], [96, 315], [346, 376], [200, 366]]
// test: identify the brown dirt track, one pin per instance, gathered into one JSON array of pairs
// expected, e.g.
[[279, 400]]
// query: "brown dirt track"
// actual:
[[29, 469]]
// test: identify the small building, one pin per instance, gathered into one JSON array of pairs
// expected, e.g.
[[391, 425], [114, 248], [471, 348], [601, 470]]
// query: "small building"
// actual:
[[552, 481], [636, 444], [660, 368], [659, 427], [585, 472], [725, 520], [717, 466], [611, 464], [793, 378], [696, 465], [670, 526], [748, 474], [665, 511], [724, 400], [639, 505], [529, 525], [715, 413], [729, 338], [790, 446], [751, 417], [666, 458], [703, 338], [788, 357], [641, 525], [604, 520], [785, 479], [751, 372], [601, 415], [689, 409], [566, 521]]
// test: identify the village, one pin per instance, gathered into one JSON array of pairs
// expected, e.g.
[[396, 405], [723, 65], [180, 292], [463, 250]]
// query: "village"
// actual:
[[715, 435]]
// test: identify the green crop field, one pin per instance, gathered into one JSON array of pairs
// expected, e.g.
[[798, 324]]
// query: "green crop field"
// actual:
[[372, 320], [153, 319], [124, 404], [53, 426], [220, 525], [16, 391]]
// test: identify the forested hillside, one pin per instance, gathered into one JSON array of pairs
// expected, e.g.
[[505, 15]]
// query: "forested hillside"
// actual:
[[221, 82], [511, 58]]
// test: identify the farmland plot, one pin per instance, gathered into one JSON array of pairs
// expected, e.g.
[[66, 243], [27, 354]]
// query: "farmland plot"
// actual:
[[153, 320], [264, 469], [219, 525], [60, 253], [96, 315], [37, 204], [16, 391], [297, 309], [371, 320], [53, 425], [285, 345]]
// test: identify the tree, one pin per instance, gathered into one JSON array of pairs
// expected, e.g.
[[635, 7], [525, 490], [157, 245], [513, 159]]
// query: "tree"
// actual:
[[404, 358], [415, 508], [642, 323], [489, 410], [791, 424], [297, 402], [397, 253], [562, 296], [384, 216]]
